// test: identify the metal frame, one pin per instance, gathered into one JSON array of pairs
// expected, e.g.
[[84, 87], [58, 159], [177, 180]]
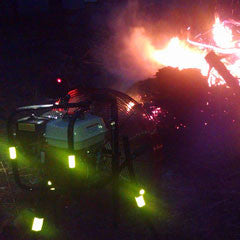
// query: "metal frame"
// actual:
[[116, 167]]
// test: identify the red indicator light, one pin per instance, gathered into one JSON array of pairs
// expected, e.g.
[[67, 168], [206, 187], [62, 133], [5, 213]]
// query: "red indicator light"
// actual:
[[59, 80]]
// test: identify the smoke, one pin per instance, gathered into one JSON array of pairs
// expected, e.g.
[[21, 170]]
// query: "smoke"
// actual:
[[123, 54], [136, 28]]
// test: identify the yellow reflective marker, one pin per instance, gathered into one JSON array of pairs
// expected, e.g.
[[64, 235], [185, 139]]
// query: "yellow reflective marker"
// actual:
[[52, 189], [37, 224], [49, 183], [12, 153], [71, 161], [142, 191], [140, 201]]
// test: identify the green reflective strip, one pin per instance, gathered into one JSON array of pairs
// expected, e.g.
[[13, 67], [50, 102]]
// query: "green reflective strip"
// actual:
[[12, 153], [71, 161], [37, 224], [140, 201]]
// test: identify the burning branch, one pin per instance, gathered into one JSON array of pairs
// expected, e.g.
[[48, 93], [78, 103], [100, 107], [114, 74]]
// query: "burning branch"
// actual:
[[214, 61]]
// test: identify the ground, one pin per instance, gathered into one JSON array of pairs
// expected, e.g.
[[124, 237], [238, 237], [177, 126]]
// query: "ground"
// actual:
[[194, 190]]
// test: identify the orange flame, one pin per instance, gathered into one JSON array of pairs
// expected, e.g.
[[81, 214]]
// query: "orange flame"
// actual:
[[222, 35], [184, 54], [180, 55]]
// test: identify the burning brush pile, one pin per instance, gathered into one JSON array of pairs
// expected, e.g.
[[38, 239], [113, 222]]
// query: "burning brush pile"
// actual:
[[197, 85]]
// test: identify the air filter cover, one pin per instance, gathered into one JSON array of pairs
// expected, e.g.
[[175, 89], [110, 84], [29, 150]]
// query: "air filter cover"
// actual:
[[87, 132]]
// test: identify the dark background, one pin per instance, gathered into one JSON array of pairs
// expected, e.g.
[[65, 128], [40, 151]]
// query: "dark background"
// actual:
[[43, 40]]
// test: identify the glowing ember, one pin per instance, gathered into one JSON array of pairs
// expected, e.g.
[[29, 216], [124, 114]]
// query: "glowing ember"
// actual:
[[130, 105], [155, 113]]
